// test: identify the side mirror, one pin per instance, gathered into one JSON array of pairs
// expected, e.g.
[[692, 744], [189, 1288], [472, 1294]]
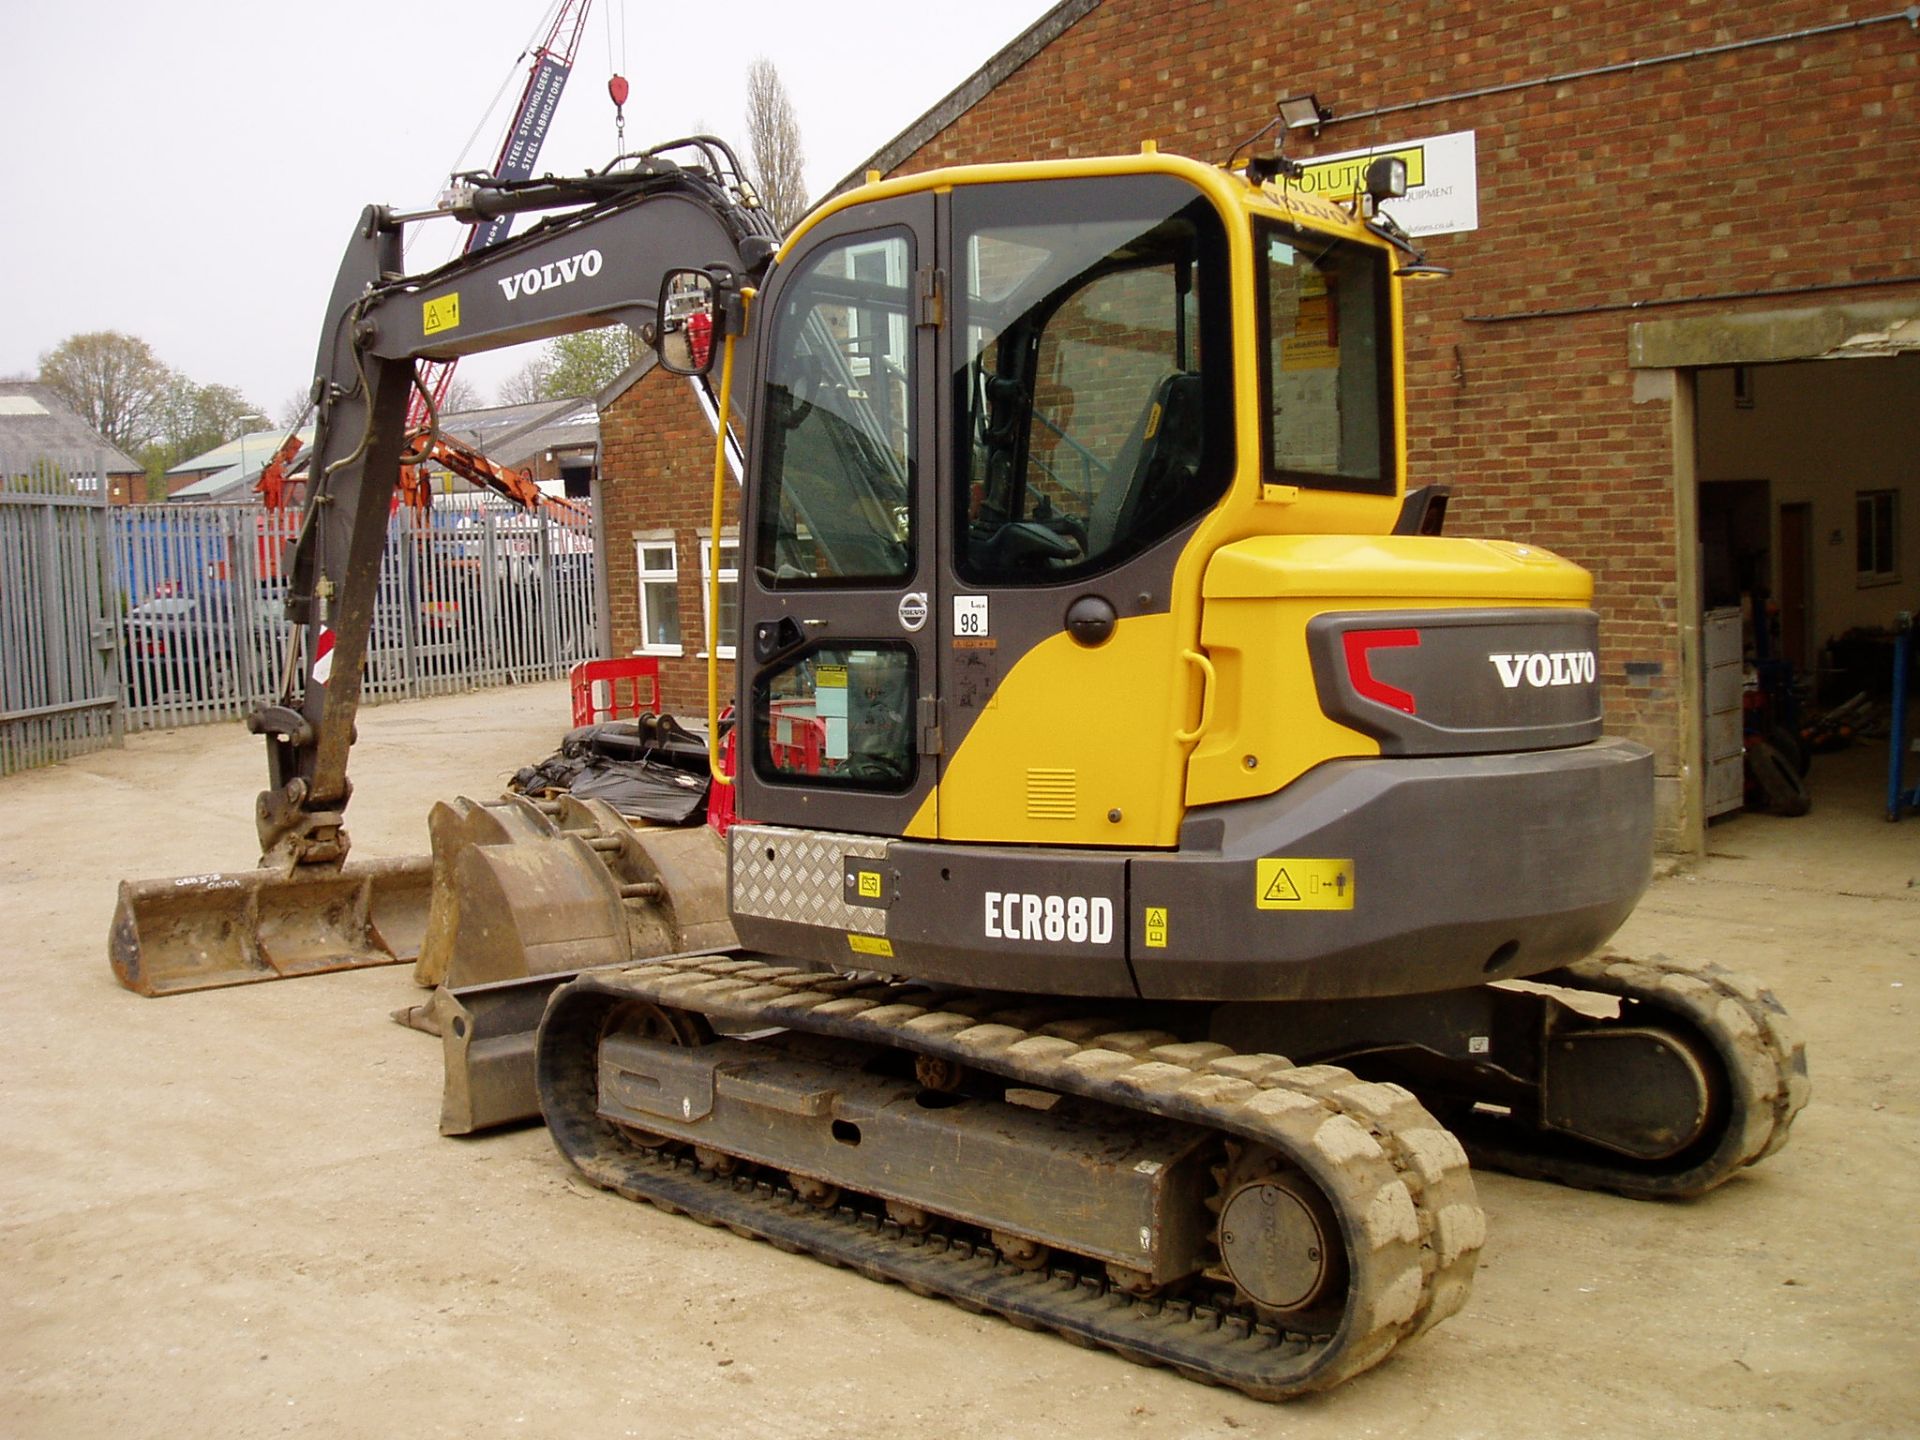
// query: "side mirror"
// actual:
[[688, 324]]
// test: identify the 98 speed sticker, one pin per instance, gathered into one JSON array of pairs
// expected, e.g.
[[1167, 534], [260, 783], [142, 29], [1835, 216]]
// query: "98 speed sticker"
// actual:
[[1050, 919]]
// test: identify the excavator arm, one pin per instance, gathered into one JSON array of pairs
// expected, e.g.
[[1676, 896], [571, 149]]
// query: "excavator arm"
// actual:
[[602, 261]]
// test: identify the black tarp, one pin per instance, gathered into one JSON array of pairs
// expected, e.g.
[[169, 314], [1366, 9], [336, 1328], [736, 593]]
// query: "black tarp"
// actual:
[[653, 768]]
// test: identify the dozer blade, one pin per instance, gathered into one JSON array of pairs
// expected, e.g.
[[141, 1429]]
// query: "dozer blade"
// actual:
[[201, 932], [487, 1035]]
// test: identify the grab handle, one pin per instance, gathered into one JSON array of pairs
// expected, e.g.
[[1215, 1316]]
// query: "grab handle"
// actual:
[[1207, 686]]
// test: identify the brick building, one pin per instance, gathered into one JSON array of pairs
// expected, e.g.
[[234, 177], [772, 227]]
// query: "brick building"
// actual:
[[1679, 346]]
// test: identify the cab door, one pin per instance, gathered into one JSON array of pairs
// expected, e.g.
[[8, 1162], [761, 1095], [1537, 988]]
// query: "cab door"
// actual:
[[1092, 358], [837, 672]]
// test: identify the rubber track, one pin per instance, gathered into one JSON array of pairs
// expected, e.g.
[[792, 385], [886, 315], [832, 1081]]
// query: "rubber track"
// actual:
[[1761, 1053], [1398, 1180]]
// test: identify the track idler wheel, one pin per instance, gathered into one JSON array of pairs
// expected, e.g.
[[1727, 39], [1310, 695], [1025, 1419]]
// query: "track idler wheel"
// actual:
[[1700, 1077], [1280, 1244], [1643, 1091]]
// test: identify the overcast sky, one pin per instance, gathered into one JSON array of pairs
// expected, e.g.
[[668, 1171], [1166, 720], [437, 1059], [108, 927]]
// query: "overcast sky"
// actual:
[[189, 171]]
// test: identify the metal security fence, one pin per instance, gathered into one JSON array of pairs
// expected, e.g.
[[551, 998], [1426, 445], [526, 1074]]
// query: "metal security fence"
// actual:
[[57, 691], [470, 595]]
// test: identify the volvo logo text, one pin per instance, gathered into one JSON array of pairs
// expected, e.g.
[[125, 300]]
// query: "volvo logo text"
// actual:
[[551, 275], [1555, 667]]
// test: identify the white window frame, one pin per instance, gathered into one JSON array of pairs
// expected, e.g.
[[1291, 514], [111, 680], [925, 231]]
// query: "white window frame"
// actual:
[[644, 576], [1872, 501], [729, 575]]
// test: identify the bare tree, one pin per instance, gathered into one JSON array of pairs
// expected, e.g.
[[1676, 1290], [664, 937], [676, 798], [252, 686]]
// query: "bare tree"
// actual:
[[528, 383], [462, 395], [293, 410], [773, 136], [114, 381]]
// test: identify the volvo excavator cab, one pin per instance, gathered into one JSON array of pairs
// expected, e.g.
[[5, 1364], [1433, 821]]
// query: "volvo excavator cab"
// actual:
[[1081, 654], [1141, 806]]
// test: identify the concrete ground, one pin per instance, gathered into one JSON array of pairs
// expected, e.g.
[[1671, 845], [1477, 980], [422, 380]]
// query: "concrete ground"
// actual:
[[229, 1214]]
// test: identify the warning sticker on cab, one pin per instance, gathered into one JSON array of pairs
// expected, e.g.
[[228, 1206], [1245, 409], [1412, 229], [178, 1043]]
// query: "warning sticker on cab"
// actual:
[[1156, 927], [440, 314], [1288, 883]]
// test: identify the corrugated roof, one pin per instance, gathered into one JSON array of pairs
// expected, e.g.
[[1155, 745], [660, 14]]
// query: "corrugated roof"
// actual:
[[483, 429], [252, 449], [505, 434], [215, 486], [572, 425], [36, 424]]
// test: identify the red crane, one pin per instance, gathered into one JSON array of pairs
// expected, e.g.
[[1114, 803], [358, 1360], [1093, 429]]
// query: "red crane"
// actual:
[[470, 465], [552, 62], [539, 98]]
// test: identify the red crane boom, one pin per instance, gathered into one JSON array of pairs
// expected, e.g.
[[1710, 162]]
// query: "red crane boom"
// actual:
[[519, 150]]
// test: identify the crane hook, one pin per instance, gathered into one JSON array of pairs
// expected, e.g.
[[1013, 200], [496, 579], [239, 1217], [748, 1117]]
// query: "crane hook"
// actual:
[[617, 90]]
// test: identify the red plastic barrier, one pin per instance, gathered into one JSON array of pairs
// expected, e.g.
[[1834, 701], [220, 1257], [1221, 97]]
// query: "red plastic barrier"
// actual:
[[611, 689]]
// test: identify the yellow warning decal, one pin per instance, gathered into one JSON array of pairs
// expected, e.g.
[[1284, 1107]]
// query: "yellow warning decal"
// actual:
[[441, 314], [829, 677], [1156, 929], [1287, 883], [870, 945], [869, 884]]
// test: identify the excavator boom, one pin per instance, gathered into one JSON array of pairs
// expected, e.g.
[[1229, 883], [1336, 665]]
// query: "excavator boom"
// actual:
[[554, 280]]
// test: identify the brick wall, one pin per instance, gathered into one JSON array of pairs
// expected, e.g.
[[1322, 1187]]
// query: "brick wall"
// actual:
[[656, 474], [1770, 168]]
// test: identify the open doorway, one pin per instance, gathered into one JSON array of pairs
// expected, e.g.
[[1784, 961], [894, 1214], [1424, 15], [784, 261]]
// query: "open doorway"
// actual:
[[1808, 479]]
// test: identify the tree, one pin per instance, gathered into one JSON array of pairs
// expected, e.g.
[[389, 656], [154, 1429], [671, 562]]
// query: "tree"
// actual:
[[462, 395], [192, 419], [115, 382], [589, 361], [773, 136], [292, 413], [528, 383]]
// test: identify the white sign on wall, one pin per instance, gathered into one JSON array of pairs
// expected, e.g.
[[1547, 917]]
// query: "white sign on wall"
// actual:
[[1443, 184]]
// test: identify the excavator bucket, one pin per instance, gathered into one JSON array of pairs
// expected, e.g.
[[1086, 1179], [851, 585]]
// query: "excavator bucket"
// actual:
[[528, 893], [514, 888], [200, 932]]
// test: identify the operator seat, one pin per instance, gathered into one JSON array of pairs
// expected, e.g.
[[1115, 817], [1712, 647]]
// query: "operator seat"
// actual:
[[1162, 453]]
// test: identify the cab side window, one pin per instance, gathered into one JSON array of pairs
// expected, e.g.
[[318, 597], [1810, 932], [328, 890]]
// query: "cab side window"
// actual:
[[838, 437]]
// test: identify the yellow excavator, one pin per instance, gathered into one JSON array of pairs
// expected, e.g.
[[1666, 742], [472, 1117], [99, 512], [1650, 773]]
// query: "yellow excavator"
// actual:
[[1144, 810]]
